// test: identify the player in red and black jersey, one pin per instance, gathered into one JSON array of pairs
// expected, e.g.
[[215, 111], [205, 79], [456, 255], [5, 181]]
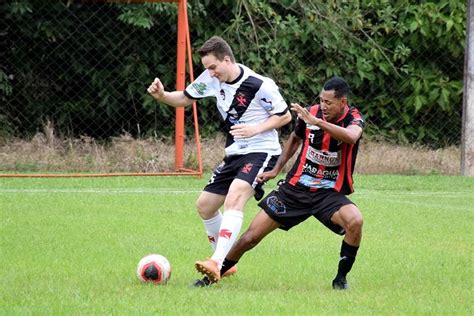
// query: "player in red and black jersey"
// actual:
[[319, 181]]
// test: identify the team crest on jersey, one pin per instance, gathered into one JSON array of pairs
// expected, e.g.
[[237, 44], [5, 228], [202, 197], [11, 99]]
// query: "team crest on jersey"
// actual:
[[247, 168], [267, 104], [199, 87], [241, 99], [222, 94]]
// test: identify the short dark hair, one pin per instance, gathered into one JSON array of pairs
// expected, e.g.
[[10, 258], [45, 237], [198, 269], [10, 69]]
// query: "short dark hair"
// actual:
[[217, 46], [339, 85]]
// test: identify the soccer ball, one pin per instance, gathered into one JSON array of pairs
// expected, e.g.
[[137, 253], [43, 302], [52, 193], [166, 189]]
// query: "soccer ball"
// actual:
[[154, 268]]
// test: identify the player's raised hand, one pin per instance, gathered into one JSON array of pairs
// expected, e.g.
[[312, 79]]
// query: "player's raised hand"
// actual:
[[156, 89], [303, 114]]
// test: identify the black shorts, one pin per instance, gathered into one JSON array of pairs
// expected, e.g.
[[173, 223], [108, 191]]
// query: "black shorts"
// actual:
[[290, 205], [243, 167]]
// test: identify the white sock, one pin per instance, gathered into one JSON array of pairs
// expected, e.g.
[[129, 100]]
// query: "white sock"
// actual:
[[212, 226], [230, 229]]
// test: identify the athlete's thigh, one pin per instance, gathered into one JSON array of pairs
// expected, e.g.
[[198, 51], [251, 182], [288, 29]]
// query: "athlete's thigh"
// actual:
[[345, 215], [327, 205], [239, 193]]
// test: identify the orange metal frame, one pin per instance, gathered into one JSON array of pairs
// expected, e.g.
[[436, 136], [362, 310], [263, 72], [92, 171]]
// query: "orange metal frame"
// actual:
[[183, 47]]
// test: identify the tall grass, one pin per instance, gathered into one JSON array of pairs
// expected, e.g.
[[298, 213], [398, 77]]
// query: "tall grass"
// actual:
[[46, 152], [70, 246]]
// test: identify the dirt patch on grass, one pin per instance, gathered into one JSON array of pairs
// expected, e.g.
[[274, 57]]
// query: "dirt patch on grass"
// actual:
[[47, 153]]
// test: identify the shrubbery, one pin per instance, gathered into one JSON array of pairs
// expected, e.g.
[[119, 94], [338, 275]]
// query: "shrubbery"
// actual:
[[404, 61]]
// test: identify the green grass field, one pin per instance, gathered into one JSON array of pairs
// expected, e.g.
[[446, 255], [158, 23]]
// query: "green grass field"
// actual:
[[70, 246]]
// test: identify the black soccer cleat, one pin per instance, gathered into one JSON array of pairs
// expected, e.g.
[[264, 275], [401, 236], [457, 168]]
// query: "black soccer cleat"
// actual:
[[201, 282], [340, 283]]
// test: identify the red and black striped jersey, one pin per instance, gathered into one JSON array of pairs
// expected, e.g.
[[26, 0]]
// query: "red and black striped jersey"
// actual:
[[325, 162]]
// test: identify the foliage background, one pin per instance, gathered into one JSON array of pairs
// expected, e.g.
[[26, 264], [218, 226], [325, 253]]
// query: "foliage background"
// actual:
[[86, 66]]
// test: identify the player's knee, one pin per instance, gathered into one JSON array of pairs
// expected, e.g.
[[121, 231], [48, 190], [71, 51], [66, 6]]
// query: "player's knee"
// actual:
[[199, 206], [355, 224], [235, 200], [202, 210]]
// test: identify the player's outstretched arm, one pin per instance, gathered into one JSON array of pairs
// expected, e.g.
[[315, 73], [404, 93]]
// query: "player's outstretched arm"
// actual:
[[175, 98], [291, 146], [348, 135]]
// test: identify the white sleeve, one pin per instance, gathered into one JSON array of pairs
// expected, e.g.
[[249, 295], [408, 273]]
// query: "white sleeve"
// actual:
[[202, 86], [270, 98]]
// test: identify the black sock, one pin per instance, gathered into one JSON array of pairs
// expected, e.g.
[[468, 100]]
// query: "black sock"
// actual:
[[226, 265], [348, 254]]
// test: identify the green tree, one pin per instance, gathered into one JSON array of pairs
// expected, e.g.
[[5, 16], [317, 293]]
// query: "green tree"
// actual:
[[86, 66]]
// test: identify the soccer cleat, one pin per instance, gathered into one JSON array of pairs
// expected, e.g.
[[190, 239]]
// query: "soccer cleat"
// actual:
[[340, 283], [210, 268], [205, 281], [201, 282], [230, 272]]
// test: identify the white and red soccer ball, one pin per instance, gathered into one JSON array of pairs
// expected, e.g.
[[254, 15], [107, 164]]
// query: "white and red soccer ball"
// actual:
[[154, 268]]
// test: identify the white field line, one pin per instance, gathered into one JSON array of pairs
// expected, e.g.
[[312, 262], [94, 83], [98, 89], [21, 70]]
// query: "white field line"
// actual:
[[101, 191], [362, 193]]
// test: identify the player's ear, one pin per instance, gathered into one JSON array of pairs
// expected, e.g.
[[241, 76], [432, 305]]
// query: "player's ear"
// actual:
[[344, 100]]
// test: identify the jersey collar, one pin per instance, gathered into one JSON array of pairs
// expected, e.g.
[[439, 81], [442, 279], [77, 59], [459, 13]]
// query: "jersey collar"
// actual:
[[238, 77], [346, 110]]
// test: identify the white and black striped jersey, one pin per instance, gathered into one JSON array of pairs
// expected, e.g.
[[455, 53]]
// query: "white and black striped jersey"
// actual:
[[250, 99]]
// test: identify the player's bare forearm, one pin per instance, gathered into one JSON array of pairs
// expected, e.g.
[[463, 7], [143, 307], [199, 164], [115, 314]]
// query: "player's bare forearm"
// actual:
[[348, 135], [249, 130], [174, 99], [291, 146], [275, 121]]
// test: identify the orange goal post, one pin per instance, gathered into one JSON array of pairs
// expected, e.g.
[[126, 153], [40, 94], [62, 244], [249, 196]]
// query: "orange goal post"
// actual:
[[183, 54]]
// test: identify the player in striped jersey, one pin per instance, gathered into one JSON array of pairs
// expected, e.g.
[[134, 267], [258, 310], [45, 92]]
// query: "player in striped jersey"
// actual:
[[319, 181]]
